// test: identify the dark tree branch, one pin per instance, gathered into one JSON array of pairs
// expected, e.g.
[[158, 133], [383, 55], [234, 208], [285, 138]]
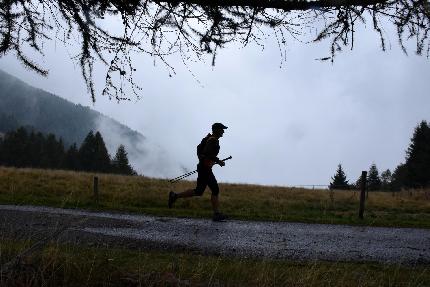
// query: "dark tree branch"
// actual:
[[194, 28], [284, 5]]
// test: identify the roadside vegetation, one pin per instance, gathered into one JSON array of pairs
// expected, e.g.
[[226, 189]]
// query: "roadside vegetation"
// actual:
[[71, 265], [138, 194]]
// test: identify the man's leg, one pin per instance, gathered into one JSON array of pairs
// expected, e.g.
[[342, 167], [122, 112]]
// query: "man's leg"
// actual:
[[174, 196], [187, 193], [213, 185], [215, 203], [198, 191]]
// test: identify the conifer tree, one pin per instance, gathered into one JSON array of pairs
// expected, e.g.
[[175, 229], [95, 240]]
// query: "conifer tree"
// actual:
[[23, 149], [357, 184], [87, 152], [399, 177], [93, 154], [37, 141], [418, 157], [373, 179], [15, 148], [386, 179], [120, 162], [53, 152], [60, 153], [72, 158], [339, 179], [101, 159]]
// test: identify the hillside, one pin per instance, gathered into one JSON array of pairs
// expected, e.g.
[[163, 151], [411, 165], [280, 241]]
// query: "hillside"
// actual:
[[25, 105], [22, 104]]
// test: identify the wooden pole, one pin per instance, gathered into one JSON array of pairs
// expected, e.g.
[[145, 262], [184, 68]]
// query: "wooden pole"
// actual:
[[362, 193], [96, 189]]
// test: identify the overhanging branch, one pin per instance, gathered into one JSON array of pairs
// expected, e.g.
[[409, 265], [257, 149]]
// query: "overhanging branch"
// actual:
[[195, 28], [285, 5]]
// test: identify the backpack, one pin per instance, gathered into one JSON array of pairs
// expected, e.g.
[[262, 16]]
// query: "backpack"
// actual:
[[201, 146]]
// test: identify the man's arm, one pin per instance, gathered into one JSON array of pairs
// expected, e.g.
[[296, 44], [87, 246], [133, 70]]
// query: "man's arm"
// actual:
[[211, 150]]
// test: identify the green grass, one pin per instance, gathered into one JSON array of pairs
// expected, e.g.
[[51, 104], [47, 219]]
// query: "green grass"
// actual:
[[240, 201], [70, 265]]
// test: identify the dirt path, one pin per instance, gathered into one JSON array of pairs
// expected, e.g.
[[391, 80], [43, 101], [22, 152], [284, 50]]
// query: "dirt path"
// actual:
[[296, 241]]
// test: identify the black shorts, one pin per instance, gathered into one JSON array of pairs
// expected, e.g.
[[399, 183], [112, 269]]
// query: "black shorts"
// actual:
[[205, 178]]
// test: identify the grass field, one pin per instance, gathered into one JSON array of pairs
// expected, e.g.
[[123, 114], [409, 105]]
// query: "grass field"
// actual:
[[69, 265], [248, 202]]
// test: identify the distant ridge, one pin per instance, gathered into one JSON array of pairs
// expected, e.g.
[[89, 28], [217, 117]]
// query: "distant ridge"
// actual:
[[22, 104]]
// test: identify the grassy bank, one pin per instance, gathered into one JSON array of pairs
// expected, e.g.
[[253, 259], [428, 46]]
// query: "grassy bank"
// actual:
[[68, 265], [248, 202]]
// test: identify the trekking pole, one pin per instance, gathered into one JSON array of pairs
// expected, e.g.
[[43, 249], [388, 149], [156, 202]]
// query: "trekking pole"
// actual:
[[190, 173], [182, 176]]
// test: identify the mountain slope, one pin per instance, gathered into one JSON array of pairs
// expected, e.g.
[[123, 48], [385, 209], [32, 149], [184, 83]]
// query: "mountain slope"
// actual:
[[25, 105], [22, 104]]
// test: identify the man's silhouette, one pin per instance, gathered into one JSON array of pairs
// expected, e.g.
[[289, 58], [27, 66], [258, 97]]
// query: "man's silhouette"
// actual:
[[207, 152]]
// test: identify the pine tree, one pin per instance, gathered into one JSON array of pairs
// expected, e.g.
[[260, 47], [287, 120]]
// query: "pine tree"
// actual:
[[120, 162], [357, 184], [15, 145], [102, 159], [93, 154], [339, 179], [87, 152], [399, 177], [418, 157], [37, 141], [373, 179], [53, 152], [386, 178], [72, 158]]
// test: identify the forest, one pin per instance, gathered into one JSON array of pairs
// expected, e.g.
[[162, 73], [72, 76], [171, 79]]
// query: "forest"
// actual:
[[26, 147]]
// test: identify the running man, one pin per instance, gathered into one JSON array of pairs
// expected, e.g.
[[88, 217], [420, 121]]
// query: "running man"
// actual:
[[207, 152]]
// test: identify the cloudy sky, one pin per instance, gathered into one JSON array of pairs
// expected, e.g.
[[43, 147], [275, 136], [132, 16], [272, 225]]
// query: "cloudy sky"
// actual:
[[288, 125]]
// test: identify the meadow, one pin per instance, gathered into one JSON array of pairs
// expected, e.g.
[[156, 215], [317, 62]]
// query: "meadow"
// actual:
[[138, 194], [57, 264]]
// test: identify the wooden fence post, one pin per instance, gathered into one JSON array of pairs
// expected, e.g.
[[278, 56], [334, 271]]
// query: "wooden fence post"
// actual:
[[362, 193], [96, 189]]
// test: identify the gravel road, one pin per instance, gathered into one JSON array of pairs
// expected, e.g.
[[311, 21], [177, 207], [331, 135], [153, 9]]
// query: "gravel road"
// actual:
[[281, 240]]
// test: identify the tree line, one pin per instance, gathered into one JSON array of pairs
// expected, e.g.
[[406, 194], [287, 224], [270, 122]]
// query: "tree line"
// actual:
[[29, 148], [413, 173]]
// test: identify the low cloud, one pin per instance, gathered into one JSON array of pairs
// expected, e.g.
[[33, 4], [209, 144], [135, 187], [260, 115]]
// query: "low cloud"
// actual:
[[146, 157]]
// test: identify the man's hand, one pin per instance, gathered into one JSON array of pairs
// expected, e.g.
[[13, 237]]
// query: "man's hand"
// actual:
[[221, 163]]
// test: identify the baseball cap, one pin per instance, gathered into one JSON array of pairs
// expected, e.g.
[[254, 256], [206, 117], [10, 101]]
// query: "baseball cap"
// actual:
[[216, 126]]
